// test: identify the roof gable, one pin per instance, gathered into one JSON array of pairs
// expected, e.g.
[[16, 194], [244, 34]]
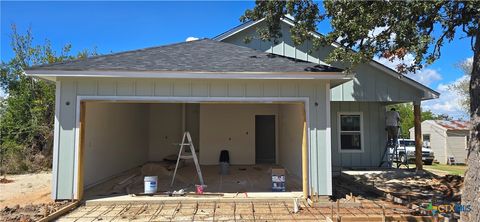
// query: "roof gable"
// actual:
[[428, 93]]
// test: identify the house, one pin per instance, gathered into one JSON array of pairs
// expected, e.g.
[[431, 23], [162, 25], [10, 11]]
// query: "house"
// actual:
[[446, 138], [265, 102]]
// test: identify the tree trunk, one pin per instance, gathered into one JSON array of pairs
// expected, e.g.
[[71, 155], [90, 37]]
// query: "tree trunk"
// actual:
[[471, 189], [417, 122]]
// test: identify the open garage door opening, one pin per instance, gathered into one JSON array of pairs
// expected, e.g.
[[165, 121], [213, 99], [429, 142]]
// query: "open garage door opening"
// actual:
[[122, 142]]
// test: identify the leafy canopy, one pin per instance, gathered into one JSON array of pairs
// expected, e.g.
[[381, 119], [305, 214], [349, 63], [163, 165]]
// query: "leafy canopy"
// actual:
[[406, 116], [27, 113], [368, 29]]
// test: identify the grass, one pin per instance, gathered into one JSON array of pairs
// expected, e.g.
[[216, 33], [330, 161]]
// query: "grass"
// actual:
[[450, 169], [444, 169]]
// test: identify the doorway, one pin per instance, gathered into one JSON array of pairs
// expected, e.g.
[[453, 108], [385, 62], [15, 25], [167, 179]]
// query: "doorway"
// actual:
[[265, 139]]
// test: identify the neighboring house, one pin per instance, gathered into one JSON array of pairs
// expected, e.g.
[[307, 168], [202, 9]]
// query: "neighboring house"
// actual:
[[228, 94], [446, 138]]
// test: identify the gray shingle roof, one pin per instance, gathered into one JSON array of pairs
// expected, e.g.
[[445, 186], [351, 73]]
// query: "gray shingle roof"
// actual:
[[196, 56]]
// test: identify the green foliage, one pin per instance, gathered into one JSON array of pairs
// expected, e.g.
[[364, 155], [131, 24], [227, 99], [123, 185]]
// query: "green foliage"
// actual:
[[406, 114], [26, 121], [365, 29], [462, 86]]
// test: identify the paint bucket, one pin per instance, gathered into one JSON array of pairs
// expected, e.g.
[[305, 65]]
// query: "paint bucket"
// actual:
[[150, 184], [199, 189]]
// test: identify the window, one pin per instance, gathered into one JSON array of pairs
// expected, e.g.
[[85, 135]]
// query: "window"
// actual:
[[426, 137], [406, 143], [426, 140], [350, 132]]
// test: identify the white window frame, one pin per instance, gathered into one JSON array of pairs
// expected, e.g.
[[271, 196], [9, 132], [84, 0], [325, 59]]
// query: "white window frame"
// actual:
[[339, 131]]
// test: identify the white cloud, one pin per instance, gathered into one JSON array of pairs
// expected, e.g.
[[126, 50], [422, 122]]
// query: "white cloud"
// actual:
[[191, 39], [407, 60], [448, 103], [426, 76]]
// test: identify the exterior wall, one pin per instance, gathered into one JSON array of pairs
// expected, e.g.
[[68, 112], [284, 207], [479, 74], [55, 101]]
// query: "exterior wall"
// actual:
[[230, 127], [370, 84], [69, 88], [457, 144], [445, 143], [116, 134], [374, 135], [290, 121]]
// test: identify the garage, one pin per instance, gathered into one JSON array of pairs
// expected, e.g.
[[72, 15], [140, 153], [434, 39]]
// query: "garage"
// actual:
[[115, 113], [124, 141]]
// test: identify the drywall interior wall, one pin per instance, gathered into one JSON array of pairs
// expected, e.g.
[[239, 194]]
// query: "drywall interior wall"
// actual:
[[230, 127], [165, 129], [192, 122], [290, 121], [116, 139]]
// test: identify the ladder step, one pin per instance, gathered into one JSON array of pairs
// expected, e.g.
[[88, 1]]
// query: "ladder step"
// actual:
[[186, 157], [185, 144]]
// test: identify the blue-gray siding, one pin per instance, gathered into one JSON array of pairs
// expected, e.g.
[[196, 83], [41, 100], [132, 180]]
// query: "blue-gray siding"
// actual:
[[314, 90], [369, 85], [374, 135]]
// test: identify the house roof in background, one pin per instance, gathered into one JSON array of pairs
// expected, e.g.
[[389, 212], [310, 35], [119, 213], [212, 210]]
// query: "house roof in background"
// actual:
[[205, 56], [453, 125]]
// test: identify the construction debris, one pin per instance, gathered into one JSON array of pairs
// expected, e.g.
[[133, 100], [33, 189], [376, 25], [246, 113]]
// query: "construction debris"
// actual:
[[31, 212]]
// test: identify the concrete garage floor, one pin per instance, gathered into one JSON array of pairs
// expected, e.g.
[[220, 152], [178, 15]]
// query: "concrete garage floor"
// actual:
[[241, 182]]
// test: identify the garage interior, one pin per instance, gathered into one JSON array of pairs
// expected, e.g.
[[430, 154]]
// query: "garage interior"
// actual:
[[125, 141]]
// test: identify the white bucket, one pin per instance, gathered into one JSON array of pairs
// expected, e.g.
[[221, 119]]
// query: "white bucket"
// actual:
[[150, 184]]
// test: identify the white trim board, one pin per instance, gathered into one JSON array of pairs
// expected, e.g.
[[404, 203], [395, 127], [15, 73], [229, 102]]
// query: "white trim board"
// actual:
[[56, 140], [52, 74], [159, 99]]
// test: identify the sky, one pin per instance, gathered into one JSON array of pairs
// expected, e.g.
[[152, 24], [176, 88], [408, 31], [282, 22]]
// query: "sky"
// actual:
[[120, 26]]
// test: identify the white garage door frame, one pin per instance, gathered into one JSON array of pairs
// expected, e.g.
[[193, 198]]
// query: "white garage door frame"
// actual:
[[160, 99]]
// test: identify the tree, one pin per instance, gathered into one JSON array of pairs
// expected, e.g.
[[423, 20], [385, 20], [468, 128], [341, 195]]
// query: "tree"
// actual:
[[462, 86], [406, 114], [390, 29], [27, 113]]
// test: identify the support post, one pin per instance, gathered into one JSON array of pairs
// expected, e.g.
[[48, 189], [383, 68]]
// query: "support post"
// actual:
[[417, 112], [81, 151], [305, 158]]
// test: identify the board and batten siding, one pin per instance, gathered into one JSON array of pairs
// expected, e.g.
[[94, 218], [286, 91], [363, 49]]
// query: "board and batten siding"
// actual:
[[457, 145], [374, 135], [370, 84], [315, 90]]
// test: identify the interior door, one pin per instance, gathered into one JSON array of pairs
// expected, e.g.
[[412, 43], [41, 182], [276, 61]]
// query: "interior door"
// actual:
[[265, 139]]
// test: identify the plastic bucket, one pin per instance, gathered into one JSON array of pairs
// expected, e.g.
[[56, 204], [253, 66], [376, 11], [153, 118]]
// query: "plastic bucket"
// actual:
[[150, 184], [199, 189]]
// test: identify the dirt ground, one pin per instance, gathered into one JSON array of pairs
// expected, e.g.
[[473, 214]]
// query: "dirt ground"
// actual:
[[26, 189], [27, 197], [414, 187]]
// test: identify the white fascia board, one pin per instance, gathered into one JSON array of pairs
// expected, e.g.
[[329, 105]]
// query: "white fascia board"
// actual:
[[428, 93], [236, 30], [49, 74]]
